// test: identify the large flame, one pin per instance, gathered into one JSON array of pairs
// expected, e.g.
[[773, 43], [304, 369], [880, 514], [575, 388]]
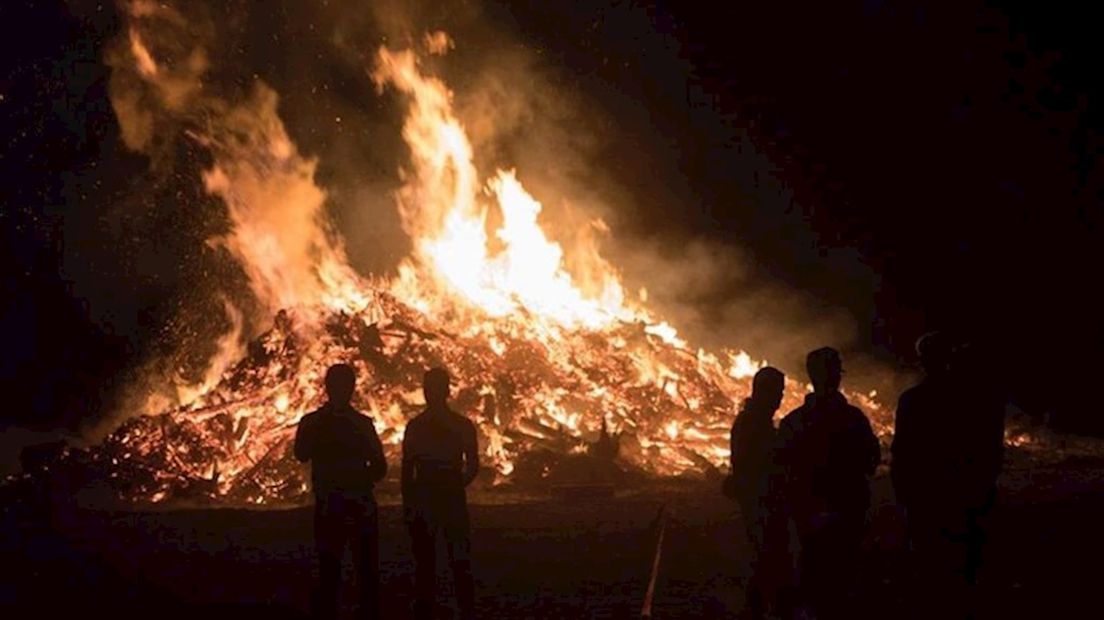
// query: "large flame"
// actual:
[[445, 208], [543, 356]]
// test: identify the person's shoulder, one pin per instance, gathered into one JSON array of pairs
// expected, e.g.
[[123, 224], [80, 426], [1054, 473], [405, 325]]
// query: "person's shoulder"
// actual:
[[417, 421], [852, 407], [856, 416], [738, 423], [793, 419], [744, 422], [412, 433], [462, 421], [309, 418], [797, 413], [363, 419]]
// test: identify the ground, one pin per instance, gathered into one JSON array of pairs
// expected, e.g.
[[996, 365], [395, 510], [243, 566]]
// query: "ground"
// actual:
[[534, 557]]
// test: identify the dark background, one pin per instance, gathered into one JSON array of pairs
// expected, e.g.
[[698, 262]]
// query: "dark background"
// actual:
[[930, 168]]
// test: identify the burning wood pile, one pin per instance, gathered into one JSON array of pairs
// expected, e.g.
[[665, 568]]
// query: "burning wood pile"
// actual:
[[549, 354], [670, 408]]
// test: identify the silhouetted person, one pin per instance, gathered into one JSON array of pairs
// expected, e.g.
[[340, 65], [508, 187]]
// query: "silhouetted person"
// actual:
[[754, 442], [923, 468], [827, 451], [983, 432], [440, 459], [346, 462], [947, 447]]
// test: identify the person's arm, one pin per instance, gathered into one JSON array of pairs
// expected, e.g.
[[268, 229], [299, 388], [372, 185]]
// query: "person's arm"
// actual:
[[989, 458], [304, 439], [784, 457], [471, 453], [407, 479], [996, 444], [732, 449], [377, 462], [901, 450], [872, 448]]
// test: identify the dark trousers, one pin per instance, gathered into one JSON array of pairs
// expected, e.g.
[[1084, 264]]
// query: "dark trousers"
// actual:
[[341, 521], [450, 520], [768, 562], [830, 545], [946, 549]]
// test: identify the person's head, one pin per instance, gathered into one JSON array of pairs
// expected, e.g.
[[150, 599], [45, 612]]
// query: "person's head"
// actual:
[[934, 350], [964, 359], [825, 369], [435, 386], [975, 363], [340, 382], [767, 387]]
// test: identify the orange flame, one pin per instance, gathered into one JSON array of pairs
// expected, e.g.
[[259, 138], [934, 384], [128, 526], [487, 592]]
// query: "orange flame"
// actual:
[[540, 361], [444, 211]]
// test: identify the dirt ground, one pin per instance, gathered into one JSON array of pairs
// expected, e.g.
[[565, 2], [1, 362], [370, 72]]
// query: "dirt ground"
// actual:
[[535, 557]]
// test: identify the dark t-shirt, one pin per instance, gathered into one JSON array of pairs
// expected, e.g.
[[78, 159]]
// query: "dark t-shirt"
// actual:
[[947, 445], [344, 450], [828, 451], [753, 443], [440, 457]]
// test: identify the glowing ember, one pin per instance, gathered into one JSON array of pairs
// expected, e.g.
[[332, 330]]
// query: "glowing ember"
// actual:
[[540, 359]]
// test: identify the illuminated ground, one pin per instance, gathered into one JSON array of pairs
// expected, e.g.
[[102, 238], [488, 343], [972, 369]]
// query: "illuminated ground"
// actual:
[[536, 559]]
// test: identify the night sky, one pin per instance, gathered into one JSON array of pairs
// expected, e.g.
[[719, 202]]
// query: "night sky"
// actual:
[[911, 167]]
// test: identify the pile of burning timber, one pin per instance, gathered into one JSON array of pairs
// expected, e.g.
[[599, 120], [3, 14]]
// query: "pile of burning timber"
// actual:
[[539, 396]]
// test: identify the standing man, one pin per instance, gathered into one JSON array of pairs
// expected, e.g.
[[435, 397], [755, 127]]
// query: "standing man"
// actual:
[[440, 459], [924, 466], [827, 451], [983, 431], [946, 456], [753, 483], [346, 462]]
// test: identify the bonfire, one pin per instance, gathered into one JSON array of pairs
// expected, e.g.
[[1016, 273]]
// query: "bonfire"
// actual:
[[545, 358]]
